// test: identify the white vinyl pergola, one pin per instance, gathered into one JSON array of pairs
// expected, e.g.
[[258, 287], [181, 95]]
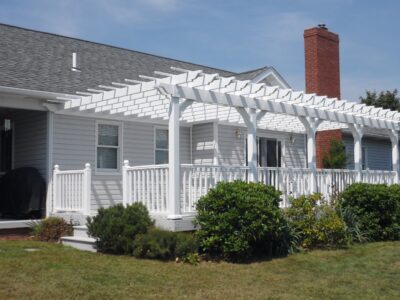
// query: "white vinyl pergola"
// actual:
[[194, 96]]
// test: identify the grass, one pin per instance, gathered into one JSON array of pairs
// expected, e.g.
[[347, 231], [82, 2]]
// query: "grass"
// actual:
[[368, 271]]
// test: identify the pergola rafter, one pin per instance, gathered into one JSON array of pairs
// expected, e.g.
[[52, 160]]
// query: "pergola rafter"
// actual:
[[214, 97]]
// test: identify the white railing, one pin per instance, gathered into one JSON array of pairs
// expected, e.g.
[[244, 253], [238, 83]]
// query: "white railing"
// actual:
[[72, 190], [149, 184], [292, 182], [146, 184], [377, 176], [330, 182], [197, 180]]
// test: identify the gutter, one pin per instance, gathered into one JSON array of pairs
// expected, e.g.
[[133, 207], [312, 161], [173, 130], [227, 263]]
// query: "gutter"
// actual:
[[38, 94]]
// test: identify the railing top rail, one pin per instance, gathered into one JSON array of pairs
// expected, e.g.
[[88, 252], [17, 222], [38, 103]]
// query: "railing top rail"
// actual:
[[144, 167], [378, 172], [337, 170], [58, 172], [213, 166]]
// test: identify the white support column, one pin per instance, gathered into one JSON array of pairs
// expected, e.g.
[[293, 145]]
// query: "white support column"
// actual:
[[252, 145], [311, 125], [394, 138], [250, 119], [174, 160], [125, 192], [87, 189], [357, 131]]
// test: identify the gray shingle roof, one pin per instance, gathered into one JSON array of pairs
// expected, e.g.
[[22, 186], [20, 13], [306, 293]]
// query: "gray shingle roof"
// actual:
[[42, 61]]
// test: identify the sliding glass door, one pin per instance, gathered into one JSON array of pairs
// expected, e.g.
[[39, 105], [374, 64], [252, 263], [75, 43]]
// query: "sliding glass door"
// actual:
[[269, 152]]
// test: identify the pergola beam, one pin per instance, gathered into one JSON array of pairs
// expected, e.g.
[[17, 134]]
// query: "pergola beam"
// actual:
[[226, 99]]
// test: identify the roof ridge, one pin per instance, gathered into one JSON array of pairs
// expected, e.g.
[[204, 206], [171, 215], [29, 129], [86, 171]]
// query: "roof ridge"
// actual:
[[116, 47], [254, 70]]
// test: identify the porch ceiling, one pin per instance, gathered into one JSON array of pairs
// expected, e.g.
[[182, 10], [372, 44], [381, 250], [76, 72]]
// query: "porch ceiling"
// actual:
[[213, 97]]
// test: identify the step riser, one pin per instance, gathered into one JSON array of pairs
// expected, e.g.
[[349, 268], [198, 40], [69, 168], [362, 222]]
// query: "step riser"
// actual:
[[80, 245], [81, 233]]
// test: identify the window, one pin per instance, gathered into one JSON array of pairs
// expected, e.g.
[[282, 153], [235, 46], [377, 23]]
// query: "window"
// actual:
[[269, 152], [161, 150], [108, 147], [364, 158]]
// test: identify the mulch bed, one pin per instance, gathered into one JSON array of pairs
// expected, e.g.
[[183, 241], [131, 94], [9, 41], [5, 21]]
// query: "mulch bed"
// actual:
[[18, 234]]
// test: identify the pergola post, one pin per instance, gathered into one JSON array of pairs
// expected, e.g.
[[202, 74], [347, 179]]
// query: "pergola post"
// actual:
[[174, 160], [250, 119], [357, 131], [311, 125], [394, 138], [252, 145]]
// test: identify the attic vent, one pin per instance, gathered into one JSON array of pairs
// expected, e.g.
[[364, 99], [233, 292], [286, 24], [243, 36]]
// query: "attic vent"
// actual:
[[74, 63]]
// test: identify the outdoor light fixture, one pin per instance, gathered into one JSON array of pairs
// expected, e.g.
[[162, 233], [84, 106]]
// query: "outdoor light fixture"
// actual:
[[292, 139], [238, 133]]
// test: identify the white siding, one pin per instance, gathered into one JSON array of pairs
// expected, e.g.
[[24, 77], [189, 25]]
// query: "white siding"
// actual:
[[203, 143], [30, 140], [74, 145], [232, 149], [379, 152]]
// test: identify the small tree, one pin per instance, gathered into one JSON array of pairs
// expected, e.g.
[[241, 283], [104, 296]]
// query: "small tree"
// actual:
[[387, 100], [336, 159]]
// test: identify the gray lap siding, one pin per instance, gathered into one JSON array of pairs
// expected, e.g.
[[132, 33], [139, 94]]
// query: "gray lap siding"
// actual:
[[74, 144]]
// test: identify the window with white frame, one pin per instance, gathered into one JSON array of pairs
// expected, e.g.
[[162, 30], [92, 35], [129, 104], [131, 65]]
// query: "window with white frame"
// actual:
[[161, 146], [108, 146]]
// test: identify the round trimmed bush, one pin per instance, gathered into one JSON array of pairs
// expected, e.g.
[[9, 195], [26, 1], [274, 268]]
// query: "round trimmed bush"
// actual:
[[376, 207], [239, 220], [116, 227]]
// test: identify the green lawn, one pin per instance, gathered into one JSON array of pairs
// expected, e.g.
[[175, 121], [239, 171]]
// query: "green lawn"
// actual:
[[55, 272]]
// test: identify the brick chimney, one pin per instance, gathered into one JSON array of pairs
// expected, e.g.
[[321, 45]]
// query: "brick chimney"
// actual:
[[321, 49], [322, 62]]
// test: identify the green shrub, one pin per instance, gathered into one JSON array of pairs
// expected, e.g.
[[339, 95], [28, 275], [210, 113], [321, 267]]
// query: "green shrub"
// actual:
[[376, 207], [52, 229], [317, 224], [239, 220], [161, 244], [116, 227]]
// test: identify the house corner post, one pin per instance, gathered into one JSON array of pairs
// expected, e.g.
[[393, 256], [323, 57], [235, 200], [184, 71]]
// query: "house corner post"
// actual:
[[394, 138], [311, 125], [174, 160], [357, 131]]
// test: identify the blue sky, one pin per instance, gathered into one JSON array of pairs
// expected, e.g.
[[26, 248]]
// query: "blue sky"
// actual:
[[233, 35]]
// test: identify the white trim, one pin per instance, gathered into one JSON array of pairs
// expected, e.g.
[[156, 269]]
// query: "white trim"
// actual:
[[270, 71], [120, 148]]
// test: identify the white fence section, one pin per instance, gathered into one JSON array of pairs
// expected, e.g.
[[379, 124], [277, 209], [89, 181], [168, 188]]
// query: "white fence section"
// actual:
[[72, 190], [196, 180], [376, 176], [292, 182], [146, 184], [149, 184]]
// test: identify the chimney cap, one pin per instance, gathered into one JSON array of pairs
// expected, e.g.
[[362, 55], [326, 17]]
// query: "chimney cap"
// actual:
[[322, 26]]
